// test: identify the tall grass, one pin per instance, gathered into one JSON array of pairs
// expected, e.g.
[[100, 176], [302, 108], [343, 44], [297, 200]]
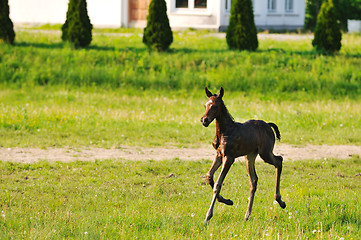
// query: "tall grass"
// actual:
[[278, 69], [140, 200], [117, 93], [48, 116]]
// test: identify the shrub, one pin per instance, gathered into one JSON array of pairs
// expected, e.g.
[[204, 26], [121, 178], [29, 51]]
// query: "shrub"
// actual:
[[7, 33], [327, 32], [241, 31], [77, 28], [157, 34]]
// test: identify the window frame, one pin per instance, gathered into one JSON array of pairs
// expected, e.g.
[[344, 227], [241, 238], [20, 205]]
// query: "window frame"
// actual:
[[272, 6], [191, 6], [289, 3]]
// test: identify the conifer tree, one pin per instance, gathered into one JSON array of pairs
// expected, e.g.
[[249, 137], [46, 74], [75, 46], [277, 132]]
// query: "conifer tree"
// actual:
[[242, 32], [7, 33], [77, 28], [157, 34], [327, 32]]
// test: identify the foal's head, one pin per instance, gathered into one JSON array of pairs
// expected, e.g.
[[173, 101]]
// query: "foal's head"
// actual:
[[213, 107]]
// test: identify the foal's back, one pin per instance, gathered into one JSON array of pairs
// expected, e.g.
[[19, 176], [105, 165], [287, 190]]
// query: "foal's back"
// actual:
[[248, 137]]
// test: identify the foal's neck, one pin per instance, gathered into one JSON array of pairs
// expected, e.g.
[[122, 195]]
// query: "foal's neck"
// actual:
[[224, 121]]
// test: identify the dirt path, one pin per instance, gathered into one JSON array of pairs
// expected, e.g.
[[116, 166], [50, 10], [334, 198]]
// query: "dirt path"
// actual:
[[289, 152]]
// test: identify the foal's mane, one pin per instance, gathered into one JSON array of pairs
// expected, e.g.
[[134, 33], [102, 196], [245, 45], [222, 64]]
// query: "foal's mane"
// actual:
[[225, 111]]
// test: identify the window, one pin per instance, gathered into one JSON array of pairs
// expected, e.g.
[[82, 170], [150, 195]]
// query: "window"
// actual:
[[191, 4], [289, 5], [271, 5], [181, 3], [200, 4], [228, 5]]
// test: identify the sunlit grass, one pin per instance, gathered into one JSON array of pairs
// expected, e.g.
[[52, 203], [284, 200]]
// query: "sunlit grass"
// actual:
[[278, 69], [44, 117], [126, 200]]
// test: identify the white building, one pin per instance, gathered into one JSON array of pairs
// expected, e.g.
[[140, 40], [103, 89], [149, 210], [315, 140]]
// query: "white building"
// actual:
[[209, 14]]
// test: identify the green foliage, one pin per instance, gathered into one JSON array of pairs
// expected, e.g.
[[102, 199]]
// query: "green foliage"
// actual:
[[119, 199], [157, 34], [355, 10], [77, 28], [7, 33], [327, 33], [312, 9], [241, 31], [345, 9]]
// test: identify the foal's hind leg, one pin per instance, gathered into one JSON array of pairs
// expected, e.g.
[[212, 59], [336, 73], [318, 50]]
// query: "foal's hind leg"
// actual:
[[278, 165], [253, 179], [277, 162], [216, 164]]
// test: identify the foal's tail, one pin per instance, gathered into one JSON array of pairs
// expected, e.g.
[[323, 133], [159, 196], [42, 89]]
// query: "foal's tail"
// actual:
[[274, 126]]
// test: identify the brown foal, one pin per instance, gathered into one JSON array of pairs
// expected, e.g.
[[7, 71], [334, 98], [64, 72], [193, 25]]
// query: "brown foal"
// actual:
[[235, 139]]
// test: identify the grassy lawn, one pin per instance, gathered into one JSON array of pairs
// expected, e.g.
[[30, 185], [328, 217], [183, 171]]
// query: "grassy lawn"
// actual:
[[119, 199], [117, 93], [47, 116]]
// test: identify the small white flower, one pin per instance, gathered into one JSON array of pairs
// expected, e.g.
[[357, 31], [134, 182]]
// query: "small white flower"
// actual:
[[192, 215], [314, 231], [86, 233]]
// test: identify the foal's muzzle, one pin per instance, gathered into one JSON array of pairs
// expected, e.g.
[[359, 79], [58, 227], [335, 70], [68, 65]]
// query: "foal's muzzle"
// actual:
[[205, 121]]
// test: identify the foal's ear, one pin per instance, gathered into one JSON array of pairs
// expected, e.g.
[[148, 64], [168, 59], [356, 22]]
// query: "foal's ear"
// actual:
[[221, 92], [208, 93]]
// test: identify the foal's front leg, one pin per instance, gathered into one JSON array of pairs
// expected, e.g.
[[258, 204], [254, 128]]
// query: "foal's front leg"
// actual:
[[216, 164], [227, 163]]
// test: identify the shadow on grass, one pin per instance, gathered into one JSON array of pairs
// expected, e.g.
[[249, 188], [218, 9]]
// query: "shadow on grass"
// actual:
[[62, 45], [58, 45], [310, 53]]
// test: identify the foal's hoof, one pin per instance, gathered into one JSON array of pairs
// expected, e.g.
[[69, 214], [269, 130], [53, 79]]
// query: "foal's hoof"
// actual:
[[228, 202], [282, 204], [206, 221], [225, 201]]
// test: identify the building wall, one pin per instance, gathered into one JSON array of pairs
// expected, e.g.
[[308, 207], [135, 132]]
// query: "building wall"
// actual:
[[278, 19], [121, 13], [195, 17], [101, 13]]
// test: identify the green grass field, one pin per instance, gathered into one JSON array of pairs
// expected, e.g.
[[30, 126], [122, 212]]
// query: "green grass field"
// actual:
[[117, 93], [122, 199], [51, 117]]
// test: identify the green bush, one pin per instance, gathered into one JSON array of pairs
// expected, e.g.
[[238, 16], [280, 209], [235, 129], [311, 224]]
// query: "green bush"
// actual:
[[77, 28], [241, 31], [157, 34], [7, 33], [327, 32]]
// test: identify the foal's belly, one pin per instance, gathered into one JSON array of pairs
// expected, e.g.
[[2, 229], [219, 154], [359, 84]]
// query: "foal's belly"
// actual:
[[238, 148]]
